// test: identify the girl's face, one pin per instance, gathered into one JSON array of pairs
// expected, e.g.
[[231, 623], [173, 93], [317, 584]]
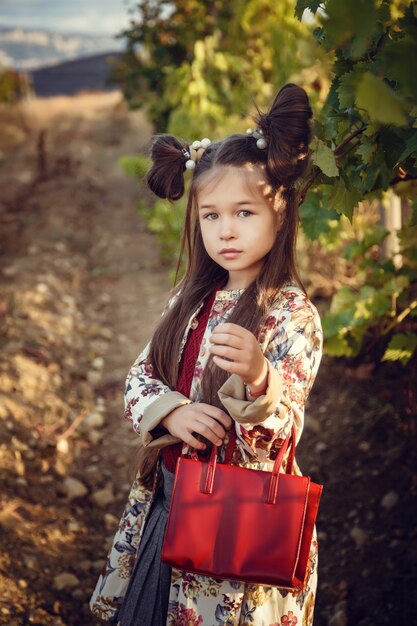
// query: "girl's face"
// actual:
[[238, 221]]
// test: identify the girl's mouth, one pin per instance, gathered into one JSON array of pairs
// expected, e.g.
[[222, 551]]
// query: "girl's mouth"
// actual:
[[230, 253]]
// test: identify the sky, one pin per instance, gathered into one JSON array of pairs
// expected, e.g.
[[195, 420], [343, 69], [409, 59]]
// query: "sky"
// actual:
[[100, 17]]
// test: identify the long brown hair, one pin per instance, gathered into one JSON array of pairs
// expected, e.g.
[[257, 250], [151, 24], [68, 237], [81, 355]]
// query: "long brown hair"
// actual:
[[287, 131]]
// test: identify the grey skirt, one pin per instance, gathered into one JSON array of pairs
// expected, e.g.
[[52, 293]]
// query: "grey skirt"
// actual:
[[147, 596]]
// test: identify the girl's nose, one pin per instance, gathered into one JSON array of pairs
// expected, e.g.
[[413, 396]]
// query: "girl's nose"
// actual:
[[226, 230]]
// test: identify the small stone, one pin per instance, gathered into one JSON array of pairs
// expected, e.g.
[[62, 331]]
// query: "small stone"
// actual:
[[65, 581], [94, 437], [389, 500], [17, 444], [22, 583], [60, 467], [364, 446], [105, 297], [94, 420], [93, 377], [30, 561], [110, 521], [98, 363], [45, 466], [19, 464], [313, 424], [21, 481], [62, 446], [359, 536], [74, 488], [338, 619], [320, 447], [85, 565], [73, 527], [78, 594], [24, 176], [11, 270], [103, 497], [98, 565]]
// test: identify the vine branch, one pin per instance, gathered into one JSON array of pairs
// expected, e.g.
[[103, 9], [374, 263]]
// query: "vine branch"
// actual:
[[302, 195]]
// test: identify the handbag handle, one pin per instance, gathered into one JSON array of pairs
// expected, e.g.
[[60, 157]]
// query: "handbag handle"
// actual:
[[273, 486]]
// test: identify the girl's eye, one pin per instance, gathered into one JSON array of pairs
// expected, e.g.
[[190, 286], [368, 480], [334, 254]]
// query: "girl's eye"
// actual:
[[210, 216], [245, 213]]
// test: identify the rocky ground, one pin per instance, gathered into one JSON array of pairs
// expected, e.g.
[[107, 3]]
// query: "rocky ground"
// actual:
[[82, 287]]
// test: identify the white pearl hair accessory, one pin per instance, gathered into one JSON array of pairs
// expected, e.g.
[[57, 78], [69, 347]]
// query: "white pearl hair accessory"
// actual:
[[258, 135], [197, 150]]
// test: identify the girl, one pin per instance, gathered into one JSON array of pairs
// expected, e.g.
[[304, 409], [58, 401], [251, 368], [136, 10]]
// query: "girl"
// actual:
[[238, 347]]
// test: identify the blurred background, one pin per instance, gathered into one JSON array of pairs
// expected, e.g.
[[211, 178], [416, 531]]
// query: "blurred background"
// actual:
[[87, 258]]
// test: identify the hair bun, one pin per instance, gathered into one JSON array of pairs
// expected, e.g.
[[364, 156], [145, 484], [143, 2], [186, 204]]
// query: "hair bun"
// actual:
[[287, 130], [166, 175]]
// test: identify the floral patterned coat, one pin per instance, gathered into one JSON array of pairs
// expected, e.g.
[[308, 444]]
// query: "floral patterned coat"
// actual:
[[291, 339]]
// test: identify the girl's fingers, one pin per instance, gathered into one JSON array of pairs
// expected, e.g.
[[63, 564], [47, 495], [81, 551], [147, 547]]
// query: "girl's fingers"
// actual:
[[229, 366], [188, 438], [216, 414], [227, 353], [228, 340], [210, 429]]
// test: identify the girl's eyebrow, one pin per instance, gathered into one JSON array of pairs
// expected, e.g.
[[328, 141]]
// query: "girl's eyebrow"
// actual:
[[213, 206]]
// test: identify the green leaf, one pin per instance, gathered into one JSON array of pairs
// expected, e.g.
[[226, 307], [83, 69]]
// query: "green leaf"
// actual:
[[401, 348], [301, 5], [342, 300], [380, 101], [351, 22], [324, 158], [396, 285], [394, 62], [375, 236], [337, 346], [366, 150], [410, 147], [344, 200], [348, 83], [315, 215]]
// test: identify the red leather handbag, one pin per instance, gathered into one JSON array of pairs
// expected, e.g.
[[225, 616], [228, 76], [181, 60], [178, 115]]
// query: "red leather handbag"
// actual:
[[235, 523]]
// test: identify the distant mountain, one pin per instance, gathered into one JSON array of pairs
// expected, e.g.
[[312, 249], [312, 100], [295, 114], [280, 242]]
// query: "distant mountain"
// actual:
[[31, 49], [86, 74]]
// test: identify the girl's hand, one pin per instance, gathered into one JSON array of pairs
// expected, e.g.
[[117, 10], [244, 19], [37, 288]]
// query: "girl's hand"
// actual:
[[236, 350], [200, 418]]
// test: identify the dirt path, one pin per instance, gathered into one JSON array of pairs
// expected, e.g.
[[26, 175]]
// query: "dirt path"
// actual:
[[82, 288]]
